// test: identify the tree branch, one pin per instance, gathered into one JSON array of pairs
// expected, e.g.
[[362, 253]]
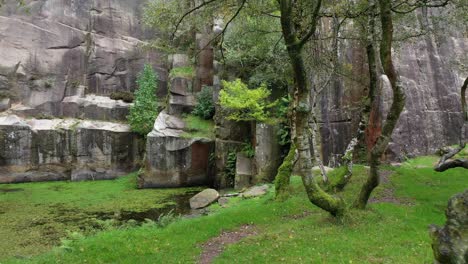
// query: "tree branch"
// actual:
[[313, 27], [187, 14]]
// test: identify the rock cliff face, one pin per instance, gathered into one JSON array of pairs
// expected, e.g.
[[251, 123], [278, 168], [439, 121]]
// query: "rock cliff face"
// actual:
[[63, 59], [51, 49], [71, 149], [431, 76]]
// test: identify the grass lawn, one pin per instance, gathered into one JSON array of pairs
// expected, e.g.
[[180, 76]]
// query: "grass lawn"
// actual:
[[35, 216], [293, 231]]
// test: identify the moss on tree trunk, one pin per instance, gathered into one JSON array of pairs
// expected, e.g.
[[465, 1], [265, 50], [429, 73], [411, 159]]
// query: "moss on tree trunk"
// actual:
[[295, 39], [395, 109], [283, 176]]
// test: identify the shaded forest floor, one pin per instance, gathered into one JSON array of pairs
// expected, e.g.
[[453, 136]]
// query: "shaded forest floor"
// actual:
[[394, 229]]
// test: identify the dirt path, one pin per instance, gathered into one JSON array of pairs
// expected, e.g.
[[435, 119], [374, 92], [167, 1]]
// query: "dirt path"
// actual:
[[215, 246], [387, 194]]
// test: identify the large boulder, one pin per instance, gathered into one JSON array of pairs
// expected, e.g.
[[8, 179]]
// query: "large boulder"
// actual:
[[204, 198], [450, 242], [224, 150]]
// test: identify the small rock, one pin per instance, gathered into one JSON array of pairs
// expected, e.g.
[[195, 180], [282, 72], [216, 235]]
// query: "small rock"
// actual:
[[204, 198], [5, 104], [223, 201], [255, 191]]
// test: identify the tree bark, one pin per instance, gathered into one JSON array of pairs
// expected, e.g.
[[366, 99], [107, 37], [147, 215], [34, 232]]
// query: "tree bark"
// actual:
[[283, 176], [395, 109], [302, 108]]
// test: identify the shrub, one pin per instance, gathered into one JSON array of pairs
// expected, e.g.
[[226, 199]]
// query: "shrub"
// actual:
[[248, 150], [205, 107], [144, 110], [244, 104], [230, 168], [125, 96]]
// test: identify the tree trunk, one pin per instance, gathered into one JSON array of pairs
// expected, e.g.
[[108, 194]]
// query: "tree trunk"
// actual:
[[283, 177], [395, 109], [302, 110], [357, 143]]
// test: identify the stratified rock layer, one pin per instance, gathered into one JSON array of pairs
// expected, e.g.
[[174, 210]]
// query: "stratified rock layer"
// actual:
[[70, 149], [54, 49], [174, 159]]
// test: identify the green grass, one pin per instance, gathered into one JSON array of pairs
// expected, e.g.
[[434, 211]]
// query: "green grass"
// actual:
[[384, 233], [35, 216], [184, 72], [197, 127]]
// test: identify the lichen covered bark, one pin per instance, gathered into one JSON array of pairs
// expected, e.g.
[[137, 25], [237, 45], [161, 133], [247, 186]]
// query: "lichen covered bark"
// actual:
[[283, 176], [295, 39]]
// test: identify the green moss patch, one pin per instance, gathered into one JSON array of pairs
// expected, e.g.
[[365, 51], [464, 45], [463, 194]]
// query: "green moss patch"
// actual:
[[197, 127]]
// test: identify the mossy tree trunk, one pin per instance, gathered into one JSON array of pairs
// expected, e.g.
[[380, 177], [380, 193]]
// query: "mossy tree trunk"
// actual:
[[357, 143], [295, 39], [395, 109], [283, 176]]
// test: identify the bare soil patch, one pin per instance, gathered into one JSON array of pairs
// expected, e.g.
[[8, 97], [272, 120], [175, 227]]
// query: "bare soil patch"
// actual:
[[387, 194], [215, 246]]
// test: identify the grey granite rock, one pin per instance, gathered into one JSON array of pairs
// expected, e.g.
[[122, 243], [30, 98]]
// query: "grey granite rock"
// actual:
[[244, 171], [174, 159], [267, 153], [56, 149]]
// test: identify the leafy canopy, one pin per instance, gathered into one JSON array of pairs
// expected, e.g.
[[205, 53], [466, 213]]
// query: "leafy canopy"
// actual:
[[144, 111], [244, 104]]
